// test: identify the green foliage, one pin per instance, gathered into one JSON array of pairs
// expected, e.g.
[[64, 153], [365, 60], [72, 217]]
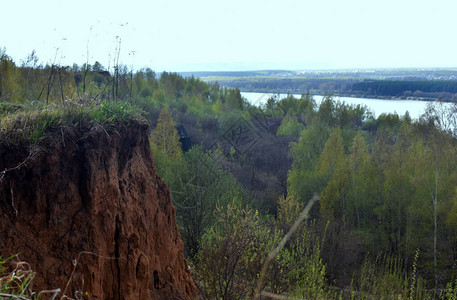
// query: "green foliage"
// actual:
[[302, 273], [399, 88], [233, 100], [383, 277], [451, 218], [197, 186], [290, 127], [8, 108], [10, 88], [302, 180], [450, 292], [231, 254], [164, 140], [332, 154], [384, 187], [288, 209], [234, 249], [303, 107]]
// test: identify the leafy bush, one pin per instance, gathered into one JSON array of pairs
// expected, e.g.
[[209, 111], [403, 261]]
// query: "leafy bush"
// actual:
[[231, 254]]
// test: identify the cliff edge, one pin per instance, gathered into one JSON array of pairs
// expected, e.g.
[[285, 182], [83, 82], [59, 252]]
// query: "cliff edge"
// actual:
[[89, 213]]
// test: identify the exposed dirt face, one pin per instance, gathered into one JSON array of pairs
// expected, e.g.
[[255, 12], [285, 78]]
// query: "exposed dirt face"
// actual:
[[95, 198]]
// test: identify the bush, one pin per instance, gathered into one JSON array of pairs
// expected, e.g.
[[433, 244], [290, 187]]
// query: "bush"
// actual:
[[231, 254]]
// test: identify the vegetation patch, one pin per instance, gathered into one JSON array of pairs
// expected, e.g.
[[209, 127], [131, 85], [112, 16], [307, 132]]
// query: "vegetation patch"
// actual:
[[33, 122]]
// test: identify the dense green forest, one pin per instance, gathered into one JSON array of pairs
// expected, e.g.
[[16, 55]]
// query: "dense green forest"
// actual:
[[418, 88], [385, 225]]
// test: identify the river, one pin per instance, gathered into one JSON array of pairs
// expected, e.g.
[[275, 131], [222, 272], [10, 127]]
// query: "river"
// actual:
[[377, 106]]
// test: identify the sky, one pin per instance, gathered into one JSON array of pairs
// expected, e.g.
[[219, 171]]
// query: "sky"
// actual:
[[210, 35]]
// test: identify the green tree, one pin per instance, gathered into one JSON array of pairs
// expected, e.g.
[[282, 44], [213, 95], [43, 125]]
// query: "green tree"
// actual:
[[302, 179], [233, 100], [434, 175], [166, 136], [290, 127], [332, 154], [165, 140], [334, 198], [363, 177], [197, 186], [10, 87]]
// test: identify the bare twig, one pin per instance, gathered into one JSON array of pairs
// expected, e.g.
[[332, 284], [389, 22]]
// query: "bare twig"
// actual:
[[9, 296], [272, 255], [55, 291], [12, 202], [20, 165]]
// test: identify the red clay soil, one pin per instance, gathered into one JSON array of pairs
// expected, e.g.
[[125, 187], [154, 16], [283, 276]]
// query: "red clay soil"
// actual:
[[93, 199]]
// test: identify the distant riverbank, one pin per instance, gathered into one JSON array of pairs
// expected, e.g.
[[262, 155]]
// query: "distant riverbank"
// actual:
[[401, 85]]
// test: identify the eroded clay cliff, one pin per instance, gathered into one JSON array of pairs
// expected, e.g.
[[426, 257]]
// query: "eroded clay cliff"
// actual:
[[93, 198]]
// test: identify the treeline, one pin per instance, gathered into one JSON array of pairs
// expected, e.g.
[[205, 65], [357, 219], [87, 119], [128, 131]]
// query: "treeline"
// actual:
[[293, 85], [385, 225], [445, 89]]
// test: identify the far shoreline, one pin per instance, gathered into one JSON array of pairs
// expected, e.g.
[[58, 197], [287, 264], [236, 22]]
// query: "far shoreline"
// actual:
[[376, 97]]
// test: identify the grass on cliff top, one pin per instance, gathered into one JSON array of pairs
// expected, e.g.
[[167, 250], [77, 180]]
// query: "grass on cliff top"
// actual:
[[32, 122]]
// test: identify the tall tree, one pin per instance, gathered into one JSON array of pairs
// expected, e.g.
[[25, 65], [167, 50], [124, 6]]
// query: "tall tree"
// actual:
[[361, 173], [165, 140], [434, 173], [301, 179], [333, 166]]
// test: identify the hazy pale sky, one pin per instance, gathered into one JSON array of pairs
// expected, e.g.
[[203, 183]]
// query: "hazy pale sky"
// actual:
[[178, 35]]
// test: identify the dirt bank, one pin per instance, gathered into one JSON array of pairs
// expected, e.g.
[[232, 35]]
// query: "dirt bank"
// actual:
[[94, 198]]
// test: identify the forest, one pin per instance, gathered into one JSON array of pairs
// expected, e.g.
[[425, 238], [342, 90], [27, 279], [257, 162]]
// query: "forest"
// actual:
[[385, 224], [418, 88]]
